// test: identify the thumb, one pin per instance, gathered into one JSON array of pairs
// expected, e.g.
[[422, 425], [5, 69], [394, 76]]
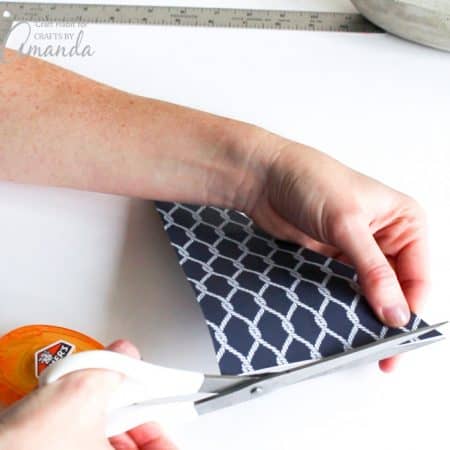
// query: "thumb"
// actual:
[[97, 385], [376, 276], [112, 379]]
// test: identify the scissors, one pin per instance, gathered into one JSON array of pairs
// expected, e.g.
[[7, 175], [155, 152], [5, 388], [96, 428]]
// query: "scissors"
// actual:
[[150, 392]]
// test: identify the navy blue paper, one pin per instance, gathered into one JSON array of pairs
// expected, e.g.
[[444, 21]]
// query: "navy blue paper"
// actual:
[[267, 302]]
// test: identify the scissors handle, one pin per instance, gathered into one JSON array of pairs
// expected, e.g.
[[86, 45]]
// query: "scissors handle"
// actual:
[[167, 415], [148, 392]]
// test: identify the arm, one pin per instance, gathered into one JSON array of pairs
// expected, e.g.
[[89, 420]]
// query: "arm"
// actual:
[[61, 129], [58, 128]]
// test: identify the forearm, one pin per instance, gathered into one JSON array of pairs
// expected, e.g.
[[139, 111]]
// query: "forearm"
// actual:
[[59, 128]]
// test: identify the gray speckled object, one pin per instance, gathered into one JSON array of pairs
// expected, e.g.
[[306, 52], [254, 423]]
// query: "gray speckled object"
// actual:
[[424, 21]]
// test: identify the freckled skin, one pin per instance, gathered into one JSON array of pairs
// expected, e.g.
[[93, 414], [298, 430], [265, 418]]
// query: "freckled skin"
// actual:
[[87, 135], [59, 128]]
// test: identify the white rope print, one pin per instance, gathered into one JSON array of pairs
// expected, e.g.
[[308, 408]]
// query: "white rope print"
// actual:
[[303, 329]]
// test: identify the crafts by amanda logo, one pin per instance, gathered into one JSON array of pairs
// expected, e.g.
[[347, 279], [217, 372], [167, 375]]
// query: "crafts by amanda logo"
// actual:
[[48, 355], [51, 39]]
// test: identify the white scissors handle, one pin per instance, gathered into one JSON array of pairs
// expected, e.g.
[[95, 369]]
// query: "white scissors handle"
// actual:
[[136, 399]]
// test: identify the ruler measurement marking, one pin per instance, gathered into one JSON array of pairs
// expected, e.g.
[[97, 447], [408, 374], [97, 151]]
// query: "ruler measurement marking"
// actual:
[[180, 16]]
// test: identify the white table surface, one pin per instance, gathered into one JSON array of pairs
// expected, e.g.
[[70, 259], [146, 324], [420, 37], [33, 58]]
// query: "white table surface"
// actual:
[[90, 261]]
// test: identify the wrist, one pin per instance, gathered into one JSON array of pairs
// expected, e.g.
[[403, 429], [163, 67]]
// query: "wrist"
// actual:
[[249, 152], [175, 153]]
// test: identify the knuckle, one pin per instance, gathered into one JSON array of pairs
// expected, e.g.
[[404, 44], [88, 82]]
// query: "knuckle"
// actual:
[[420, 212], [415, 208], [414, 219], [380, 275], [84, 382], [343, 224]]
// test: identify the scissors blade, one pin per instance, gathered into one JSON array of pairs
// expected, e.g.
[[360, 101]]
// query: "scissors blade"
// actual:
[[215, 384], [251, 387]]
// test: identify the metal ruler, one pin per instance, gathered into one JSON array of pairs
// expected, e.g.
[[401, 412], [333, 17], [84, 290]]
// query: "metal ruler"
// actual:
[[179, 16]]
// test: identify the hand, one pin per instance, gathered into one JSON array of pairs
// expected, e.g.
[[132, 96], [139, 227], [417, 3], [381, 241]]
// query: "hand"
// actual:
[[313, 200], [290, 190], [69, 415]]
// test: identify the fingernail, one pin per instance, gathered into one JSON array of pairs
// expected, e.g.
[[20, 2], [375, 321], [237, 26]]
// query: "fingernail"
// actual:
[[396, 315]]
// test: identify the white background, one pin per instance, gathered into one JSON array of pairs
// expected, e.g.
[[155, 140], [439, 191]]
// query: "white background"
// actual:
[[90, 261]]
